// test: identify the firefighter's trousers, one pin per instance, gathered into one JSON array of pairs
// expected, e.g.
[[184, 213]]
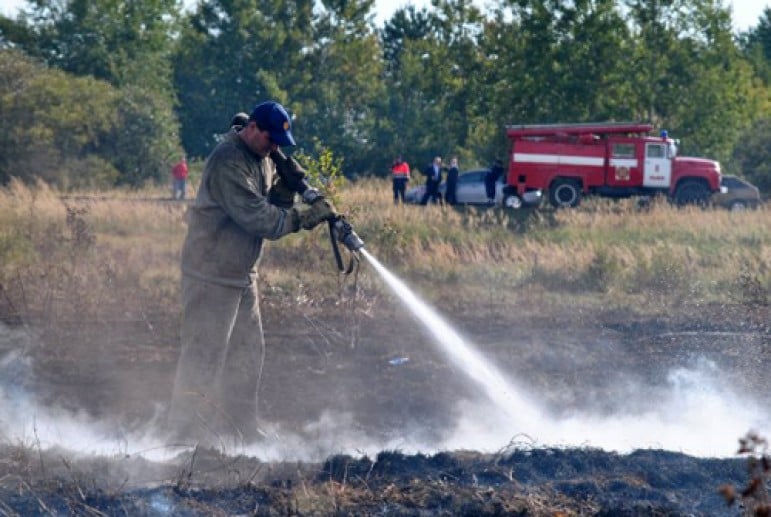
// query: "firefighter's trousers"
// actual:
[[214, 402]]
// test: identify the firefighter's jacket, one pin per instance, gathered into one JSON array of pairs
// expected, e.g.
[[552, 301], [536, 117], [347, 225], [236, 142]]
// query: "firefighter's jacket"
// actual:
[[231, 216]]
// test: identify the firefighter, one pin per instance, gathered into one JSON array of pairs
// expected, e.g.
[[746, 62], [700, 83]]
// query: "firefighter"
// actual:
[[243, 199], [400, 172]]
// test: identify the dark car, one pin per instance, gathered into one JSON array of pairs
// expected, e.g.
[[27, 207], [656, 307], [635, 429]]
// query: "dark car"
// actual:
[[739, 194], [470, 190]]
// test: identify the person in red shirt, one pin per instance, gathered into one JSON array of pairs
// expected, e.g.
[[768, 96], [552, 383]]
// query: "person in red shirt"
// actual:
[[179, 178], [400, 171]]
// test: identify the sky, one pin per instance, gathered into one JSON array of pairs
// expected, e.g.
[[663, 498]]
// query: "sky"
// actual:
[[746, 12]]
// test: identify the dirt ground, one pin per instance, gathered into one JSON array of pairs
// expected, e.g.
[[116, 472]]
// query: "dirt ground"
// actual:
[[346, 428]]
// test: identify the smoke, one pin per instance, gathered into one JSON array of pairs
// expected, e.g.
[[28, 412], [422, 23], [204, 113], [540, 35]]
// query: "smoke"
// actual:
[[697, 412], [26, 421]]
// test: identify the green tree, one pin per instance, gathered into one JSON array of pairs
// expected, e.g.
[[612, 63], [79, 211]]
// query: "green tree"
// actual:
[[752, 155], [432, 68], [656, 26], [756, 44], [115, 40], [592, 52], [398, 115], [550, 61], [698, 84], [52, 124], [760, 35], [337, 106], [127, 44], [234, 53], [139, 145]]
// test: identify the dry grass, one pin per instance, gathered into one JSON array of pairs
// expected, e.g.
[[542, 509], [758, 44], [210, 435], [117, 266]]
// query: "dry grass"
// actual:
[[85, 258], [613, 249], [116, 254]]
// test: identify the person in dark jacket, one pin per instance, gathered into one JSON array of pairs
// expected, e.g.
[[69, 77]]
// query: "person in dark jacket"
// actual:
[[452, 181], [491, 178], [433, 173]]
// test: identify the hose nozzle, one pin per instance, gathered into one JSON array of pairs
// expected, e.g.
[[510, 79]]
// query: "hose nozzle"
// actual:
[[343, 232]]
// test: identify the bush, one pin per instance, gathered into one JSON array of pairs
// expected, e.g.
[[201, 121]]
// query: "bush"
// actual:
[[79, 132]]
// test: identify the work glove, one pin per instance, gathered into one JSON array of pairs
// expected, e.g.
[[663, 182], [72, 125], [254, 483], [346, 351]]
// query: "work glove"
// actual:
[[312, 215], [290, 172], [281, 196]]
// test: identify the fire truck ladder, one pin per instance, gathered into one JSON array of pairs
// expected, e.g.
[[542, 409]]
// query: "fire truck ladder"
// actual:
[[597, 128]]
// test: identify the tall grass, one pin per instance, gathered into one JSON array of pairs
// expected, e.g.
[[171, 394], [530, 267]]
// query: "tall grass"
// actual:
[[116, 255], [613, 248], [85, 258]]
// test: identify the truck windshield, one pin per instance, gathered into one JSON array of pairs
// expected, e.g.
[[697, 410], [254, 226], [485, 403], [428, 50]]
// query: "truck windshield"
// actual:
[[672, 149]]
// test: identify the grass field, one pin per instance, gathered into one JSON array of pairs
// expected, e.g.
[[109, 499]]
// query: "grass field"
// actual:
[[118, 252]]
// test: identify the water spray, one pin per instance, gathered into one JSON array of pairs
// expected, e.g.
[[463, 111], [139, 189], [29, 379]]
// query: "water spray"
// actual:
[[507, 397]]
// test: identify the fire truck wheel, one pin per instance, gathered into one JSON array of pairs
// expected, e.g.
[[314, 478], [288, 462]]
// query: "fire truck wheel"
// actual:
[[565, 193], [691, 192]]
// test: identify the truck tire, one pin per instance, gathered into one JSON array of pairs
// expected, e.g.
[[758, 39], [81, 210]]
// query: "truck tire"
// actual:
[[691, 192], [565, 193]]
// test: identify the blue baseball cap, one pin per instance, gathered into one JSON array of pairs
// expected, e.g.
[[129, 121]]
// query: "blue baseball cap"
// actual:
[[272, 117]]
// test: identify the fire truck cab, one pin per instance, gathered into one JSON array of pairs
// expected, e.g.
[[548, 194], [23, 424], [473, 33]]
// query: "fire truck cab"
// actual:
[[607, 159]]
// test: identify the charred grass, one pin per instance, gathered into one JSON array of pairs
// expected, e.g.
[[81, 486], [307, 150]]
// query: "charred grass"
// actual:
[[512, 482]]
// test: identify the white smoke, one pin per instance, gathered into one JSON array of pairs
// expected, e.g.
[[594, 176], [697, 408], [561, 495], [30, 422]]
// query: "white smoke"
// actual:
[[697, 413], [26, 421]]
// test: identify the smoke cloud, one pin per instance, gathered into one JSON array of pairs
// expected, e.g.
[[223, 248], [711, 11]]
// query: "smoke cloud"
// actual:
[[697, 412]]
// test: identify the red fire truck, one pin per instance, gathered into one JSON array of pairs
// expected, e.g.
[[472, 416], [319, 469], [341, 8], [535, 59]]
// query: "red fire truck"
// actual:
[[607, 159]]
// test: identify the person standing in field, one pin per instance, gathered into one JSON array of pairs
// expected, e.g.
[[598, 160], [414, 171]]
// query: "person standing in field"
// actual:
[[433, 173], [179, 173], [491, 178], [452, 181], [400, 172], [246, 196]]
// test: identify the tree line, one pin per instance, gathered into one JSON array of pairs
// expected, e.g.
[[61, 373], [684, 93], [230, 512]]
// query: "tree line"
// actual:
[[98, 93]]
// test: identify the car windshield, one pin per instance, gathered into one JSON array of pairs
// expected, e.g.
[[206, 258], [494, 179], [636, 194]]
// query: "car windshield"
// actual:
[[732, 181]]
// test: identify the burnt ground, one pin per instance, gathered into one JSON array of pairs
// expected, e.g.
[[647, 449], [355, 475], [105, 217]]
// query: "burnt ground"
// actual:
[[330, 394]]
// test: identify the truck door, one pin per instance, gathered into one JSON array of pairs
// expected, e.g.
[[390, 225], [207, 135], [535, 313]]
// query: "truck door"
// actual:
[[658, 167], [623, 166]]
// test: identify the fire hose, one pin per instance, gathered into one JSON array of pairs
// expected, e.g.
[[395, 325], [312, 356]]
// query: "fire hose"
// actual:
[[340, 230]]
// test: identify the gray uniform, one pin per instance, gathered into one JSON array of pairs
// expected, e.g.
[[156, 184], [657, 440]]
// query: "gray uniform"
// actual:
[[215, 390]]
